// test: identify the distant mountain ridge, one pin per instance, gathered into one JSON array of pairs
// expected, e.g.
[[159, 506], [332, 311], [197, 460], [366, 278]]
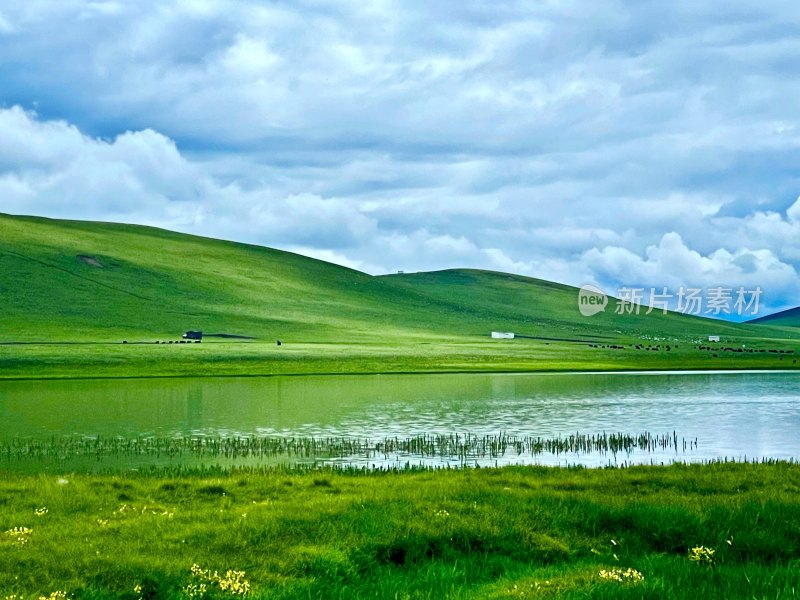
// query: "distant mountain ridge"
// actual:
[[789, 317]]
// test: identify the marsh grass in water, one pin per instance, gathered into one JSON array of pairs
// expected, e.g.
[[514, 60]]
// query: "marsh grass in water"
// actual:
[[432, 450], [519, 532]]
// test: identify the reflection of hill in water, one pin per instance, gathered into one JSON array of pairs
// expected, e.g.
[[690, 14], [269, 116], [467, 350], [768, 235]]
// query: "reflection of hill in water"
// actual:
[[734, 413]]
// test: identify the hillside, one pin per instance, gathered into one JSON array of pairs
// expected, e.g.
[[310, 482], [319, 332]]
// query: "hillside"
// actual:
[[84, 283], [79, 281], [541, 308], [785, 318], [64, 280]]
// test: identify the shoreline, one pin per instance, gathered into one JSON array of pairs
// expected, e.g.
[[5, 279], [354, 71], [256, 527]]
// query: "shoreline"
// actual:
[[651, 371]]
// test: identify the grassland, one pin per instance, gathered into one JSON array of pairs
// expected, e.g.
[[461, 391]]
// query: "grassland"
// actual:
[[71, 292], [496, 533]]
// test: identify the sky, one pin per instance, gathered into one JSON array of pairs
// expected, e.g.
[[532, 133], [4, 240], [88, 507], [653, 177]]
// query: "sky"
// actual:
[[619, 143]]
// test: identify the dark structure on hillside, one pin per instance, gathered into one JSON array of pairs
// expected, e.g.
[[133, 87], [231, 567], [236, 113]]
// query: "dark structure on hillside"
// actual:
[[193, 335]]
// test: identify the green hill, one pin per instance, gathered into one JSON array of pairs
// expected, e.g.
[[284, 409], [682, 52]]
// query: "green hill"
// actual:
[[541, 308], [87, 283], [82, 281], [785, 318]]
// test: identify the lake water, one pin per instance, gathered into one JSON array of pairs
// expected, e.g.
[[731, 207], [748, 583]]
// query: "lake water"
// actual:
[[736, 415]]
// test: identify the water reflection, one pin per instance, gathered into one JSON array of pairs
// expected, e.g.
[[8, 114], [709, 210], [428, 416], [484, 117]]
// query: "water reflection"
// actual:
[[730, 414]]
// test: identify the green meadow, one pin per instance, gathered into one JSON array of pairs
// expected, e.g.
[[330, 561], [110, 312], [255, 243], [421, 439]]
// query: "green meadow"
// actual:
[[72, 292], [715, 531]]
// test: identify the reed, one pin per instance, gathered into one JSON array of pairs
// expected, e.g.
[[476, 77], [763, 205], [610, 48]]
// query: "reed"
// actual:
[[464, 448]]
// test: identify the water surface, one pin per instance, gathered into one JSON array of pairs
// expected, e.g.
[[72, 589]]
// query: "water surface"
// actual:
[[734, 415]]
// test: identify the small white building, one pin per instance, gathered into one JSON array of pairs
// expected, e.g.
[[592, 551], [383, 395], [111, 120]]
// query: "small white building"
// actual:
[[502, 335], [713, 338]]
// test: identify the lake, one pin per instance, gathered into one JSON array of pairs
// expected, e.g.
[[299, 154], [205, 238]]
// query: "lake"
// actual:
[[740, 415]]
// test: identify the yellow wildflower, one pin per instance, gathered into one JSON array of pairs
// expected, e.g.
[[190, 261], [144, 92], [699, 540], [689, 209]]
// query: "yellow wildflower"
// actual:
[[232, 582], [57, 595], [702, 555], [621, 575], [20, 535]]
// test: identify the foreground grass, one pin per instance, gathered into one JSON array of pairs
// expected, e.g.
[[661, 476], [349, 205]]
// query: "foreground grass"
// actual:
[[507, 533]]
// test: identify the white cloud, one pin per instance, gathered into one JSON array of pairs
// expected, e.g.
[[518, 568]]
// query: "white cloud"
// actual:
[[793, 212], [29, 142], [56, 170], [51, 168], [93, 9], [335, 258], [5, 26], [249, 57], [672, 264]]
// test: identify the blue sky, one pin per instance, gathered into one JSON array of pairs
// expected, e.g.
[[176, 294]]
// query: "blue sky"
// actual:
[[621, 143]]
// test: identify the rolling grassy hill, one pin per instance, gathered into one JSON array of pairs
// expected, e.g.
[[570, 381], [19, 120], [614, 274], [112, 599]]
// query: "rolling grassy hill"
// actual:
[[81, 281], [785, 318], [97, 284]]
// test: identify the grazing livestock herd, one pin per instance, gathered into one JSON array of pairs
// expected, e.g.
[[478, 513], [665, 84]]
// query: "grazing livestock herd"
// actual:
[[715, 351]]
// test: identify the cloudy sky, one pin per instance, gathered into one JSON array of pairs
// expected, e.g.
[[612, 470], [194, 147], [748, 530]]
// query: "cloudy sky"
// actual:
[[625, 143]]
